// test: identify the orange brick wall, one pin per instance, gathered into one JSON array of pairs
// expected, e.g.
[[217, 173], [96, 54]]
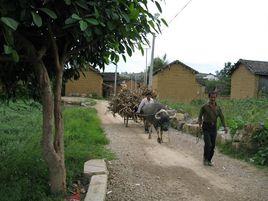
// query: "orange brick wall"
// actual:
[[244, 84], [177, 84], [90, 84]]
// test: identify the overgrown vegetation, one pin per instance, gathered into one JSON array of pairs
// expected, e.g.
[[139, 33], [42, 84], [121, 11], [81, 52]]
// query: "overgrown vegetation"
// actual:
[[256, 154], [24, 173], [239, 113]]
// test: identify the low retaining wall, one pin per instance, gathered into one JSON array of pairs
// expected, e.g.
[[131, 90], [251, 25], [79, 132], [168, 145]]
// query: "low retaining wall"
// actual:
[[97, 172]]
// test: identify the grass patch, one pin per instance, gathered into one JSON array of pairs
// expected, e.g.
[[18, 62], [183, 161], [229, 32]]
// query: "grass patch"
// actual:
[[24, 174], [84, 139]]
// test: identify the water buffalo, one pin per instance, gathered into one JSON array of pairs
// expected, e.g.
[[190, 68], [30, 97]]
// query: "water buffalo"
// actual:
[[159, 116]]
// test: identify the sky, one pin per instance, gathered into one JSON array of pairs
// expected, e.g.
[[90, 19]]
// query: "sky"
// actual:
[[207, 34]]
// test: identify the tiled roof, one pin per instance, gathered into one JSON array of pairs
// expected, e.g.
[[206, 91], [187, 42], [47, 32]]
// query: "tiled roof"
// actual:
[[176, 62], [256, 67]]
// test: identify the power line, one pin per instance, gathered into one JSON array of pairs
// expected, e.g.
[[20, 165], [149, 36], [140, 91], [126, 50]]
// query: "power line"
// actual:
[[180, 11]]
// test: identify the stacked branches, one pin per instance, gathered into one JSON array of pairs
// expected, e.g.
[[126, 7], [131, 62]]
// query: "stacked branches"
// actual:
[[126, 102]]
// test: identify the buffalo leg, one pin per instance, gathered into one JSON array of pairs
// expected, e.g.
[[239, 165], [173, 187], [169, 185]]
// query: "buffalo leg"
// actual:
[[159, 139]]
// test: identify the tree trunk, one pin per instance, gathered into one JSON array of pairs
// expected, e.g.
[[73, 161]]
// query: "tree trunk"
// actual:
[[59, 127], [53, 158], [53, 153]]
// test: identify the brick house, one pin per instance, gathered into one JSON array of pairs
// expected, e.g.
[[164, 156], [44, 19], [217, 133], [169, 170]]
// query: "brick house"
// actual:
[[249, 79], [108, 83], [131, 84], [88, 85], [176, 82]]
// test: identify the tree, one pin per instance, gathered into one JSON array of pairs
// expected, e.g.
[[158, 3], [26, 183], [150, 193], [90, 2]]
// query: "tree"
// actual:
[[43, 41], [225, 72], [224, 82], [160, 62]]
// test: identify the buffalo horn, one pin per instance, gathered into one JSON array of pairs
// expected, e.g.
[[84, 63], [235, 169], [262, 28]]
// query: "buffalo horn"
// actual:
[[159, 112]]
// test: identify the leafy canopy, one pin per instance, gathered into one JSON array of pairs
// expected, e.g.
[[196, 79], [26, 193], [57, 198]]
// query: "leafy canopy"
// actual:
[[86, 32]]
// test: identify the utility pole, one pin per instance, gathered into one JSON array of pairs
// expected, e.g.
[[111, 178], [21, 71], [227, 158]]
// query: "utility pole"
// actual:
[[135, 83], [146, 69], [152, 65], [115, 80], [131, 87]]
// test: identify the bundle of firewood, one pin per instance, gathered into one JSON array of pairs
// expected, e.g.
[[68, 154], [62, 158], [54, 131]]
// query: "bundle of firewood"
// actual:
[[126, 102]]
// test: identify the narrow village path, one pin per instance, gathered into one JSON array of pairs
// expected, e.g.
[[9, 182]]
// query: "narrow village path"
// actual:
[[145, 170]]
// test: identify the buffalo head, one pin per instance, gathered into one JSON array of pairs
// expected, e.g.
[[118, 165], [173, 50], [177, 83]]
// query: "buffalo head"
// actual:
[[163, 117]]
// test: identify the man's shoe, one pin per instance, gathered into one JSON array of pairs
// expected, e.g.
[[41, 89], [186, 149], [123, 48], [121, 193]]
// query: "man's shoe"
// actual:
[[210, 163], [205, 162]]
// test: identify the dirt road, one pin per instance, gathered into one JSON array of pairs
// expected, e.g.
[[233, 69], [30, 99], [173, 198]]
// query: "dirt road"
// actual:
[[146, 171]]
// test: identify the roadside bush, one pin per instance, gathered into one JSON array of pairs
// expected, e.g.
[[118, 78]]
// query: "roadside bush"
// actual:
[[261, 152]]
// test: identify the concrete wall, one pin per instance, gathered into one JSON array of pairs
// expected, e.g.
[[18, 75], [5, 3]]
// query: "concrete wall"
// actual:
[[177, 84], [244, 84], [91, 84]]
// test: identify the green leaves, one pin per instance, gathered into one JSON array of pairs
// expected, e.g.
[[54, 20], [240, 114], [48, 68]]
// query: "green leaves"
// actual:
[[49, 12], [83, 25], [129, 51], [82, 4], [134, 13], [164, 21], [118, 26], [15, 56], [124, 57], [13, 24], [97, 14], [92, 21], [76, 17], [158, 6], [37, 19], [9, 50], [68, 2], [70, 20]]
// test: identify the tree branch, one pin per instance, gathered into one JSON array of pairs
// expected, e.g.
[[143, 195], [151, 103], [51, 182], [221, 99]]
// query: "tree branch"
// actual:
[[64, 53], [41, 53], [23, 58], [54, 48]]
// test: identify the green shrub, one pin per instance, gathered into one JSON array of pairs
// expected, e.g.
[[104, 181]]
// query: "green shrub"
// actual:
[[260, 138]]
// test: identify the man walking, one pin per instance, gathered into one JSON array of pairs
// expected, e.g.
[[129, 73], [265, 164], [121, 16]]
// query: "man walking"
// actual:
[[147, 100], [208, 121]]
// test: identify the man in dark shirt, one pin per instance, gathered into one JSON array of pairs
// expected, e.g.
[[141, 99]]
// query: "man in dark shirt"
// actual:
[[208, 121]]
